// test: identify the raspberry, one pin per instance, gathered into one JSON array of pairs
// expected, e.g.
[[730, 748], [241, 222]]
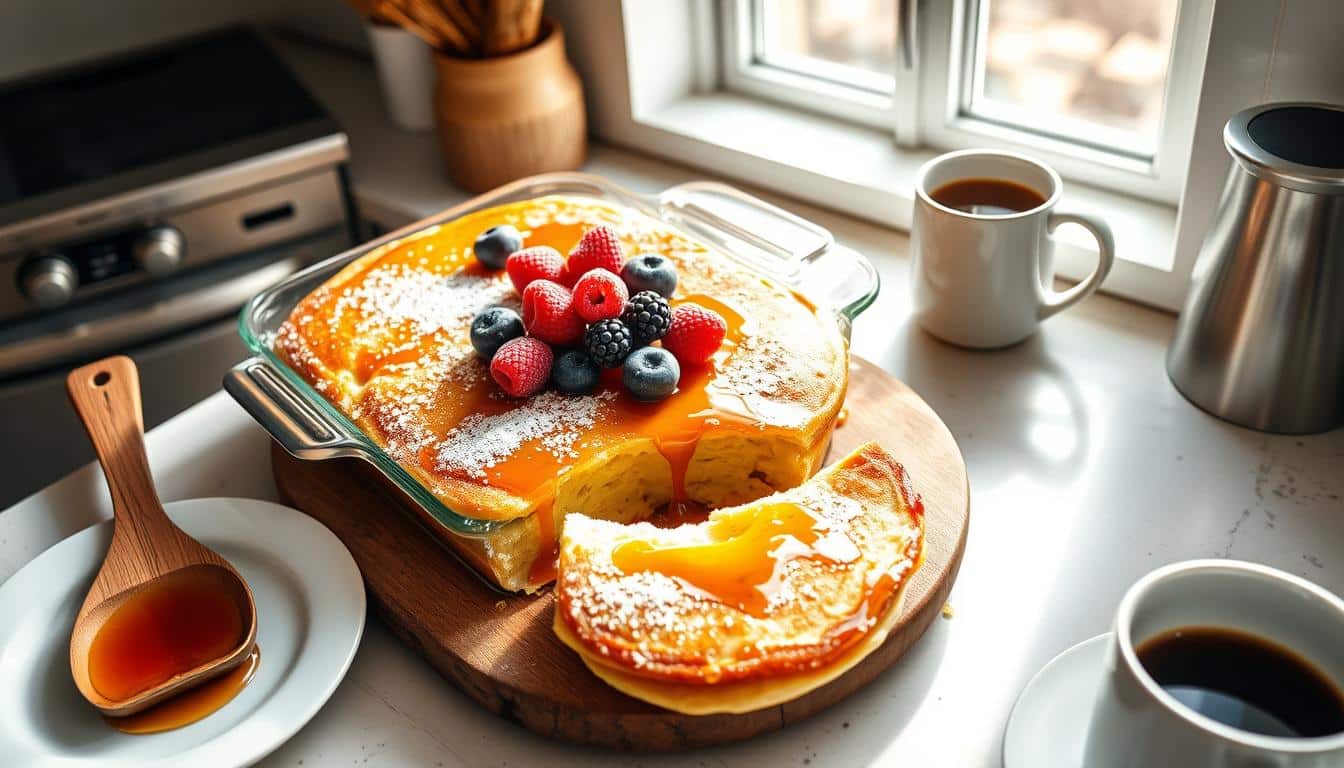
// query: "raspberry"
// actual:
[[599, 295], [521, 366], [695, 335], [648, 316], [608, 343], [539, 263], [597, 249], [568, 277], [548, 314]]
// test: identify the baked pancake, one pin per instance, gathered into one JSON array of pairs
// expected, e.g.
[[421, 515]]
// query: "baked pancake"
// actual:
[[755, 606], [387, 342]]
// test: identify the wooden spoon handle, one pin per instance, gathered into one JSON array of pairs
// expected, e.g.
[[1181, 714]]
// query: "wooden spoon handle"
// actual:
[[106, 397]]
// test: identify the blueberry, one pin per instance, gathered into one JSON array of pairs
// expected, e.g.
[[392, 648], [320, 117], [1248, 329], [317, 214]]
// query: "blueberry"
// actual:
[[650, 272], [495, 244], [492, 327], [573, 373], [651, 373]]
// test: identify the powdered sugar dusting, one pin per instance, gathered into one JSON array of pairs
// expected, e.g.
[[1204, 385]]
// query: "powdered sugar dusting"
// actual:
[[757, 368], [555, 421], [397, 294]]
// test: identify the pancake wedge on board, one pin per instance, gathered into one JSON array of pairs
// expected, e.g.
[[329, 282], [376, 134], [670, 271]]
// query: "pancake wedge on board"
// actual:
[[759, 604]]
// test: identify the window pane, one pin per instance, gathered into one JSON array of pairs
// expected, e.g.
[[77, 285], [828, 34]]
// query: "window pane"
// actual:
[[847, 41], [1089, 70]]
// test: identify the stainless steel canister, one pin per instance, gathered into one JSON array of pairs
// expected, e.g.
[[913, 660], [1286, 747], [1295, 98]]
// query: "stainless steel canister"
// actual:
[[1261, 339]]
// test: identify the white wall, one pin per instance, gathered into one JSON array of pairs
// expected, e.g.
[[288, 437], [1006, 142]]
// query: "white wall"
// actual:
[[40, 34]]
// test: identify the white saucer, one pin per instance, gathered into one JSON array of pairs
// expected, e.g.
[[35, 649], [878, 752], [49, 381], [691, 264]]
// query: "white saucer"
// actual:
[[310, 616], [1048, 725]]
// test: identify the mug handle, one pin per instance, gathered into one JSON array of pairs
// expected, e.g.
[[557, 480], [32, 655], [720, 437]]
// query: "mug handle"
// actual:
[[1056, 302]]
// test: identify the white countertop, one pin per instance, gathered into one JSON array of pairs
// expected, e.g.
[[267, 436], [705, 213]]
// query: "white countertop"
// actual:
[[1087, 470]]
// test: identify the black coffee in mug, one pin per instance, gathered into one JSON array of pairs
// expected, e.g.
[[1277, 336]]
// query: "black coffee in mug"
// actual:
[[1244, 681], [988, 197]]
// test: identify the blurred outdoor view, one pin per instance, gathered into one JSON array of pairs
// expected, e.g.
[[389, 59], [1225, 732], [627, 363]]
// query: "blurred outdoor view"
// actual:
[[1098, 62]]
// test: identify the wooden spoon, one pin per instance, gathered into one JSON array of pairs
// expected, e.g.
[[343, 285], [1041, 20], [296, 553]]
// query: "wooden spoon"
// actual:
[[512, 25], [146, 545]]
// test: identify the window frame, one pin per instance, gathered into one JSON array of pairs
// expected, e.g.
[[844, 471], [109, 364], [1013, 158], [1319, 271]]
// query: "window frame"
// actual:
[[742, 73], [929, 106], [653, 84]]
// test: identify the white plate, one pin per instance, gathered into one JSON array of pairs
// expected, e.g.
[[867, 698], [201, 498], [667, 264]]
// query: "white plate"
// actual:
[[1048, 725], [310, 616]]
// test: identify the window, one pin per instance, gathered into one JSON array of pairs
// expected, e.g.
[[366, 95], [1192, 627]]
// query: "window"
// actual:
[[1091, 72], [1102, 90], [839, 102], [852, 43]]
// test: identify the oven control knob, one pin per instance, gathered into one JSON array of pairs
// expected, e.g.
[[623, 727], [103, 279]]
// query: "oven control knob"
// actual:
[[50, 281], [159, 250]]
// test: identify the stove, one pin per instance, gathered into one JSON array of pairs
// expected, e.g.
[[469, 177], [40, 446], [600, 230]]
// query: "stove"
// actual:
[[143, 199]]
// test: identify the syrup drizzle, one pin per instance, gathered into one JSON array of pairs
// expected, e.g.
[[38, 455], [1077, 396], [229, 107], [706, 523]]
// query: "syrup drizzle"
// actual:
[[544, 566], [745, 564], [169, 627], [193, 704], [166, 629]]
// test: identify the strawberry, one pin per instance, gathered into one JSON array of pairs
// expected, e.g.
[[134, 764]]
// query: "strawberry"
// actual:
[[695, 334], [599, 295], [597, 249], [521, 366], [548, 314], [538, 263]]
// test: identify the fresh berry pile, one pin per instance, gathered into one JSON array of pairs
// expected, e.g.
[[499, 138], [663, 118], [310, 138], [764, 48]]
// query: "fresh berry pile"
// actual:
[[585, 312]]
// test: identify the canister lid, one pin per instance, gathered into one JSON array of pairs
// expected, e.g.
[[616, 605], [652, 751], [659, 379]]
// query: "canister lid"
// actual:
[[1298, 145]]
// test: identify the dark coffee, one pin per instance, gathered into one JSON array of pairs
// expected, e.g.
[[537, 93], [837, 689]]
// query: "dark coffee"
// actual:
[[988, 197], [1244, 681]]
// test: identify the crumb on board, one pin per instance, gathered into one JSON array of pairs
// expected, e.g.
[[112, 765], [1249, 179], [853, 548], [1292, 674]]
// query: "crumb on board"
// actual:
[[947, 610], [499, 605]]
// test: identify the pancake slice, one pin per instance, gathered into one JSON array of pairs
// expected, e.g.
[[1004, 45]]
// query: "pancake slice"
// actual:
[[757, 605]]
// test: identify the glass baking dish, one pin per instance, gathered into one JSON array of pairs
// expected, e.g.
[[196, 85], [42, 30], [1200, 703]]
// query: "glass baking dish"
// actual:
[[754, 233]]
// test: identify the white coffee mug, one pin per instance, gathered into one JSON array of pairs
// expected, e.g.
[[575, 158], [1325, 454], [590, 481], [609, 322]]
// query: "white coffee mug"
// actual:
[[986, 280], [1138, 724]]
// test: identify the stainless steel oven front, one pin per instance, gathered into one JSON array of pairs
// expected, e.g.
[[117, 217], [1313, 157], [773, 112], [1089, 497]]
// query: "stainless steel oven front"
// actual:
[[137, 216]]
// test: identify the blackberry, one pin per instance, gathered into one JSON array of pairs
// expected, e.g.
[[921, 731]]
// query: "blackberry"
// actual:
[[648, 316], [608, 342]]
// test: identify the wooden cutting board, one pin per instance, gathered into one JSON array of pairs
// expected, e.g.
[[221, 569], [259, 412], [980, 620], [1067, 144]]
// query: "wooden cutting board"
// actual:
[[499, 648]]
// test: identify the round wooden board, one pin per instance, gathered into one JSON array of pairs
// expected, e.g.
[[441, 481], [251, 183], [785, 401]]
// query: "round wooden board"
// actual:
[[500, 649]]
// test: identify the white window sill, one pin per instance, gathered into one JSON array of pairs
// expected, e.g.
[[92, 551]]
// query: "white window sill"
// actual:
[[861, 172]]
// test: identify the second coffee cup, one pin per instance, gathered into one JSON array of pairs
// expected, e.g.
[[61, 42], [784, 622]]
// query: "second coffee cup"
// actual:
[[1222, 664], [982, 251]]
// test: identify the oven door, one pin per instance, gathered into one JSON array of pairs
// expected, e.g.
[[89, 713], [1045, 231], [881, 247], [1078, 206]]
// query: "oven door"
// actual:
[[182, 335]]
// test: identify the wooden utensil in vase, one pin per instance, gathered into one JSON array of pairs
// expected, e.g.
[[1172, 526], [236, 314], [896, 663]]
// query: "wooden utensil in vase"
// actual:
[[510, 25], [501, 118]]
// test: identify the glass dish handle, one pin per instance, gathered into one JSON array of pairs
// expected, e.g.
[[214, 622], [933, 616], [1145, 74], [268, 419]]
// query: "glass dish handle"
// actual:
[[300, 429], [784, 246]]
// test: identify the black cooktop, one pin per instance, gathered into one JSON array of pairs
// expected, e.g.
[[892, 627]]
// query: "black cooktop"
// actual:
[[118, 124]]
